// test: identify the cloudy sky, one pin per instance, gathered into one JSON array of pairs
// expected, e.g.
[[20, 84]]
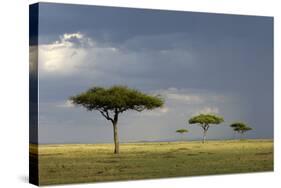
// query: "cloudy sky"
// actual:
[[200, 63]]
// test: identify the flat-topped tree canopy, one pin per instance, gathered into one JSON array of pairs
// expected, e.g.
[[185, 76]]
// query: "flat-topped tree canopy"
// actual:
[[240, 127], [206, 119], [117, 99], [112, 101], [182, 131]]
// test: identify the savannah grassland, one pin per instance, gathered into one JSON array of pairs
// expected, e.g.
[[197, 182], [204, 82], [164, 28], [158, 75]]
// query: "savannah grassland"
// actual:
[[78, 163]]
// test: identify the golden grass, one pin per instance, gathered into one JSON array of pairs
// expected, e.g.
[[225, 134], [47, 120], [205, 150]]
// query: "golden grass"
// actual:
[[78, 163]]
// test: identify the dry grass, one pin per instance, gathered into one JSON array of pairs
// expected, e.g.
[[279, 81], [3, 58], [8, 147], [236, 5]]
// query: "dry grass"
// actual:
[[78, 163]]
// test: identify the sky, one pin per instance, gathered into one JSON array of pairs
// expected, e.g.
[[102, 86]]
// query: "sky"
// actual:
[[198, 62]]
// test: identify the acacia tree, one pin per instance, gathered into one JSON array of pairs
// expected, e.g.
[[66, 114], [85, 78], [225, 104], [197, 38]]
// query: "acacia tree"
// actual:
[[113, 101], [182, 131], [205, 120], [240, 127], [235, 127]]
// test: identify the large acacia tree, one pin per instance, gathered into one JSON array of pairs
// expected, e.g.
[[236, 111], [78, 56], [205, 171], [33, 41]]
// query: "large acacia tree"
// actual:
[[205, 120], [113, 101]]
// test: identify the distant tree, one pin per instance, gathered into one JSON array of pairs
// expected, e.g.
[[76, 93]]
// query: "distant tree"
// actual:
[[113, 101], [182, 131], [240, 127], [235, 127], [205, 120]]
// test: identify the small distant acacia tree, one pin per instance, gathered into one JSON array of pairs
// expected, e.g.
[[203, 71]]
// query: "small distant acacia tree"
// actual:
[[205, 120], [113, 101], [182, 131], [240, 128]]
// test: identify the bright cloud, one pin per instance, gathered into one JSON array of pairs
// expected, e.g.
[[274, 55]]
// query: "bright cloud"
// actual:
[[184, 97], [77, 53], [208, 110], [67, 36], [62, 56], [156, 112], [185, 102], [70, 53], [181, 95], [66, 104]]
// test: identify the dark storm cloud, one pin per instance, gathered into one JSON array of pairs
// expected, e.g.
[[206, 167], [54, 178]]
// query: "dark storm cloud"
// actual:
[[111, 24], [153, 50]]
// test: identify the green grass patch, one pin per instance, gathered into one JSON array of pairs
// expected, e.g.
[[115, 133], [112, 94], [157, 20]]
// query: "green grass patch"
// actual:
[[81, 163]]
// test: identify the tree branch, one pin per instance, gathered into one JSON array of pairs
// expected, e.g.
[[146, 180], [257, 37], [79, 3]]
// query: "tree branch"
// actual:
[[205, 127], [116, 115], [105, 114], [120, 110]]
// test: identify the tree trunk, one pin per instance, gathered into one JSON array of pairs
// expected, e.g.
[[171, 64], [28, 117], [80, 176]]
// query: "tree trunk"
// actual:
[[205, 129], [116, 140], [204, 136], [241, 135]]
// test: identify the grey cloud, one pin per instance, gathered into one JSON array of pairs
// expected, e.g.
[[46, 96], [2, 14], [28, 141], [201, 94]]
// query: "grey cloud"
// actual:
[[223, 63]]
